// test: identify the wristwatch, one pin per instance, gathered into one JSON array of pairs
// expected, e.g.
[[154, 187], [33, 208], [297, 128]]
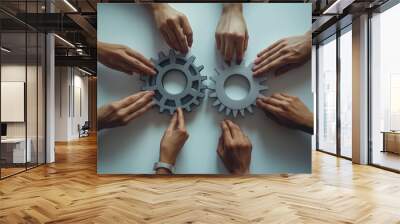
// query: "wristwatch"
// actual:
[[167, 166]]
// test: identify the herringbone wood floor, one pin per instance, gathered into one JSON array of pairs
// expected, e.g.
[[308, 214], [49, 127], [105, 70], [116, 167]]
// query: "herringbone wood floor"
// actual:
[[70, 191]]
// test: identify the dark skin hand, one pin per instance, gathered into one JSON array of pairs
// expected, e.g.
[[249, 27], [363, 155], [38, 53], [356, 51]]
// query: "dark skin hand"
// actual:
[[124, 59], [284, 55], [234, 148], [288, 111], [120, 113]]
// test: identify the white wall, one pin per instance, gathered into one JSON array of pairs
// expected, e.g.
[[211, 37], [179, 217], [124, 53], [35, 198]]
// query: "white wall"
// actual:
[[70, 83]]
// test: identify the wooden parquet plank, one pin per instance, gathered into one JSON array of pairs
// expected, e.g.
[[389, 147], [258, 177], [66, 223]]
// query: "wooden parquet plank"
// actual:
[[70, 191]]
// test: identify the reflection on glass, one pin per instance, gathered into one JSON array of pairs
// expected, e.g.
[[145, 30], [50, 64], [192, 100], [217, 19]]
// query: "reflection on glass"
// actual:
[[346, 94], [385, 114], [327, 96], [14, 153]]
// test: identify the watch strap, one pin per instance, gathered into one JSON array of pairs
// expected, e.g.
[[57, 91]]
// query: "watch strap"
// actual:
[[167, 166]]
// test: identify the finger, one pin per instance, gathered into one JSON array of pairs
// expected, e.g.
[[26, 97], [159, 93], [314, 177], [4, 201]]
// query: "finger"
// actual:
[[131, 99], [239, 50], [140, 57], [138, 104], [270, 58], [218, 41], [269, 108], [181, 119], [271, 66], [220, 147], [141, 111], [228, 53], [226, 132], [278, 102], [281, 97], [173, 121], [246, 41], [166, 38], [235, 130], [286, 68], [187, 30], [270, 47], [179, 36], [134, 64], [268, 54], [172, 38]]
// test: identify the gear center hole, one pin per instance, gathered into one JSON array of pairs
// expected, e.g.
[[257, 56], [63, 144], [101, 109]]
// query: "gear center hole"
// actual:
[[174, 82], [237, 87]]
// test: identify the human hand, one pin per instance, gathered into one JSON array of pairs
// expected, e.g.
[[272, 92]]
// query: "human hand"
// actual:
[[121, 112], [234, 148], [174, 26], [231, 34], [174, 138], [124, 59], [287, 110], [284, 55]]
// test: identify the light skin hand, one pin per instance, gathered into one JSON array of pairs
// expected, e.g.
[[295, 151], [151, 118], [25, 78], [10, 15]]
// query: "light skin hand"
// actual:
[[288, 111], [231, 34], [124, 59], [174, 26], [284, 55], [120, 113], [173, 140], [234, 148]]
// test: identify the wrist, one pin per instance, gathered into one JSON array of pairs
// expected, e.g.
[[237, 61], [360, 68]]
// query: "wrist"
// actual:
[[308, 125], [167, 159], [240, 172], [232, 7], [158, 6]]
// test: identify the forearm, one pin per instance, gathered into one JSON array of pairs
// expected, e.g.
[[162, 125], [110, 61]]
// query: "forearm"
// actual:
[[308, 126], [232, 7]]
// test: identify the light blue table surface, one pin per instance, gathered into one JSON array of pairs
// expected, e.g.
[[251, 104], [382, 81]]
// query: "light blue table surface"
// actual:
[[133, 149]]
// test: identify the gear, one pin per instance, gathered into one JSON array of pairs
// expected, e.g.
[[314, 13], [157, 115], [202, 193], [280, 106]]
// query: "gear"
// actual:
[[194, 90], [231, 106]]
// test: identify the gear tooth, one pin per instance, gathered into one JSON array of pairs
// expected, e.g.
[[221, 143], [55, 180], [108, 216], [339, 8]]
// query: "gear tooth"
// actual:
[[203, 78], [262, 79], [161, 55], [161, 109], [221, 107], [200, 94], [196, 102], [213, 95], [171, 111], [262, 88], [249, 109], [241, 112], [190, 60], [227, 111], [235, 112], [187, 108], [216, 103], [200, 68]]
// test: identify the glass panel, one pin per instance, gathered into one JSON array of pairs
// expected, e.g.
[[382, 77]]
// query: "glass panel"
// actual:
[[41, 98], [327, 96], [385, 128], [346, 94], [31, 100], [13, 88]]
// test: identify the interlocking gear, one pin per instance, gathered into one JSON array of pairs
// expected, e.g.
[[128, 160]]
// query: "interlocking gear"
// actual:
[[232, 106], [194, 90]]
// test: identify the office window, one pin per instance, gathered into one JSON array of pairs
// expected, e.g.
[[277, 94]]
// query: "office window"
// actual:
[[346, 92], [385, 89], [327, 95]]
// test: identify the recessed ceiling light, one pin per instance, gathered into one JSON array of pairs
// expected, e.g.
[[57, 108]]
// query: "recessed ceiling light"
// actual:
[[5, 50]]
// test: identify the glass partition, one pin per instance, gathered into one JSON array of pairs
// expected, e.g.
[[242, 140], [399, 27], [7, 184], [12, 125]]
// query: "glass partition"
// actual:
[[327, 95], [385, 89]]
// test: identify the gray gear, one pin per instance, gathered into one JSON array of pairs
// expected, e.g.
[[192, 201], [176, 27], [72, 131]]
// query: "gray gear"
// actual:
[[223, 101], [193, 92]]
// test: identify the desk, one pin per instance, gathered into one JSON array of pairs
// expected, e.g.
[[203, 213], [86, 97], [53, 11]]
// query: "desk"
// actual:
[[391, 141], [13, 150]]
